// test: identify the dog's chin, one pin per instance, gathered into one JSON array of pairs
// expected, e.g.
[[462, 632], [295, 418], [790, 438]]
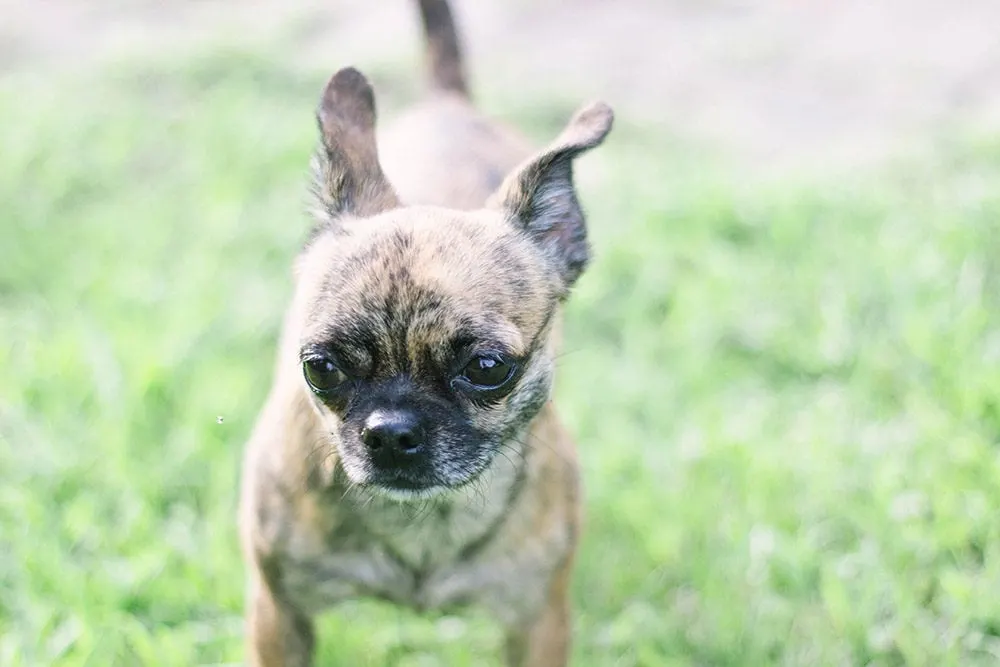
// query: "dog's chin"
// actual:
[[404, 489], [403, 486], [402, 495], [395, 486]]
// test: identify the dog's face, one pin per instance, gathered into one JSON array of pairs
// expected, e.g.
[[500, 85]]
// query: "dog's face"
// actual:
[[427, 345], [426, 332]]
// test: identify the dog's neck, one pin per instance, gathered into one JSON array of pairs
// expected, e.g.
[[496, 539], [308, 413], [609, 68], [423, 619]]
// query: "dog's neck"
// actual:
[[425, 533], [421, 534]]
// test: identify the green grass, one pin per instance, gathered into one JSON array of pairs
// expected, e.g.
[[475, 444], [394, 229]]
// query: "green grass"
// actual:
[[787, 398]]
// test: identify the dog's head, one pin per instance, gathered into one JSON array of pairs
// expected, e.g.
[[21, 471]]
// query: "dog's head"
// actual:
[[426, 333]]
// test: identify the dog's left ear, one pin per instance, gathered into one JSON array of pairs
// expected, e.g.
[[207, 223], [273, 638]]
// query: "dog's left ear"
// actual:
[[539, 197], [349, 178]]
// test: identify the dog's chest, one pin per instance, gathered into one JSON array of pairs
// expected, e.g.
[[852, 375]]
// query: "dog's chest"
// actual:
[[422, 556], [433, 537]]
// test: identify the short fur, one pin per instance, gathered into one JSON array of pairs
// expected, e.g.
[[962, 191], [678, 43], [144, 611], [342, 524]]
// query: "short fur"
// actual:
[[458, 243]]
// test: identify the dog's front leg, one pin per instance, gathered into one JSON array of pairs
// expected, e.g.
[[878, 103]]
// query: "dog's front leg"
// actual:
[[544, 640], [277, 635]]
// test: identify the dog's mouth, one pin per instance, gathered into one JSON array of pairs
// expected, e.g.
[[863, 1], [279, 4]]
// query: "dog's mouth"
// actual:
[[400, 481], [417, 478], [403, 487], [411, 495]]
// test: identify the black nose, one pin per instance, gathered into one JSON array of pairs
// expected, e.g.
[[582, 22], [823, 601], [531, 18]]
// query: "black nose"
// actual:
[[393, 436]]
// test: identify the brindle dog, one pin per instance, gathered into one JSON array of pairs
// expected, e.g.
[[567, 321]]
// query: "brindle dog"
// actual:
[[408, 449]]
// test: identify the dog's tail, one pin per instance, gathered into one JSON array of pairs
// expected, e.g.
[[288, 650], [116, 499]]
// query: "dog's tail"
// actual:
[[444, 53]]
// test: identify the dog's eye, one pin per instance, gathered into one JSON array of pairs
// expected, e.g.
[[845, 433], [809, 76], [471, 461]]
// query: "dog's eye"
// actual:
[[488, 372], [322, 374]]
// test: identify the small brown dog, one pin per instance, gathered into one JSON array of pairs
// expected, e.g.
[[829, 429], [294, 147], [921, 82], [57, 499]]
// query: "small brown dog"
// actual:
[[408, 450]]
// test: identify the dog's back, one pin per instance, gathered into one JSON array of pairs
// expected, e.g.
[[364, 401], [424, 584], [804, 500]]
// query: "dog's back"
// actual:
[[443, 151]]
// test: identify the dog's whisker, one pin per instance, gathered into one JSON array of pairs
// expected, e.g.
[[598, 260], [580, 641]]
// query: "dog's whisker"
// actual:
[[543, 443], [565, 353]]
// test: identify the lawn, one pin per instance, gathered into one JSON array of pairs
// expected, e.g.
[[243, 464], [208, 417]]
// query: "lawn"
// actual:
[[786, 395]]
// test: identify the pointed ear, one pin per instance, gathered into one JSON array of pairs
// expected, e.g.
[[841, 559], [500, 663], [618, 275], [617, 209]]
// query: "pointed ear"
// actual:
[[348, 176], [539, 197]]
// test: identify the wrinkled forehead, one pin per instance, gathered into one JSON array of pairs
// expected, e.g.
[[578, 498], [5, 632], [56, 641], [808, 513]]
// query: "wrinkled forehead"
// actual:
[[415, 283]]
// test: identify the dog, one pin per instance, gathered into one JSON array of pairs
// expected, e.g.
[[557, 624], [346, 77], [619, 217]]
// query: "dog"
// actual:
[[408, 449]]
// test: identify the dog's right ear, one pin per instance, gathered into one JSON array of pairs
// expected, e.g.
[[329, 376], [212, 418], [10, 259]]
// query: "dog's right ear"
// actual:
[[539, 197], [348, 176]]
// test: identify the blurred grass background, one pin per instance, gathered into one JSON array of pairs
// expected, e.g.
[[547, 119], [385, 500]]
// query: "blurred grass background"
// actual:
[[786, 390]]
